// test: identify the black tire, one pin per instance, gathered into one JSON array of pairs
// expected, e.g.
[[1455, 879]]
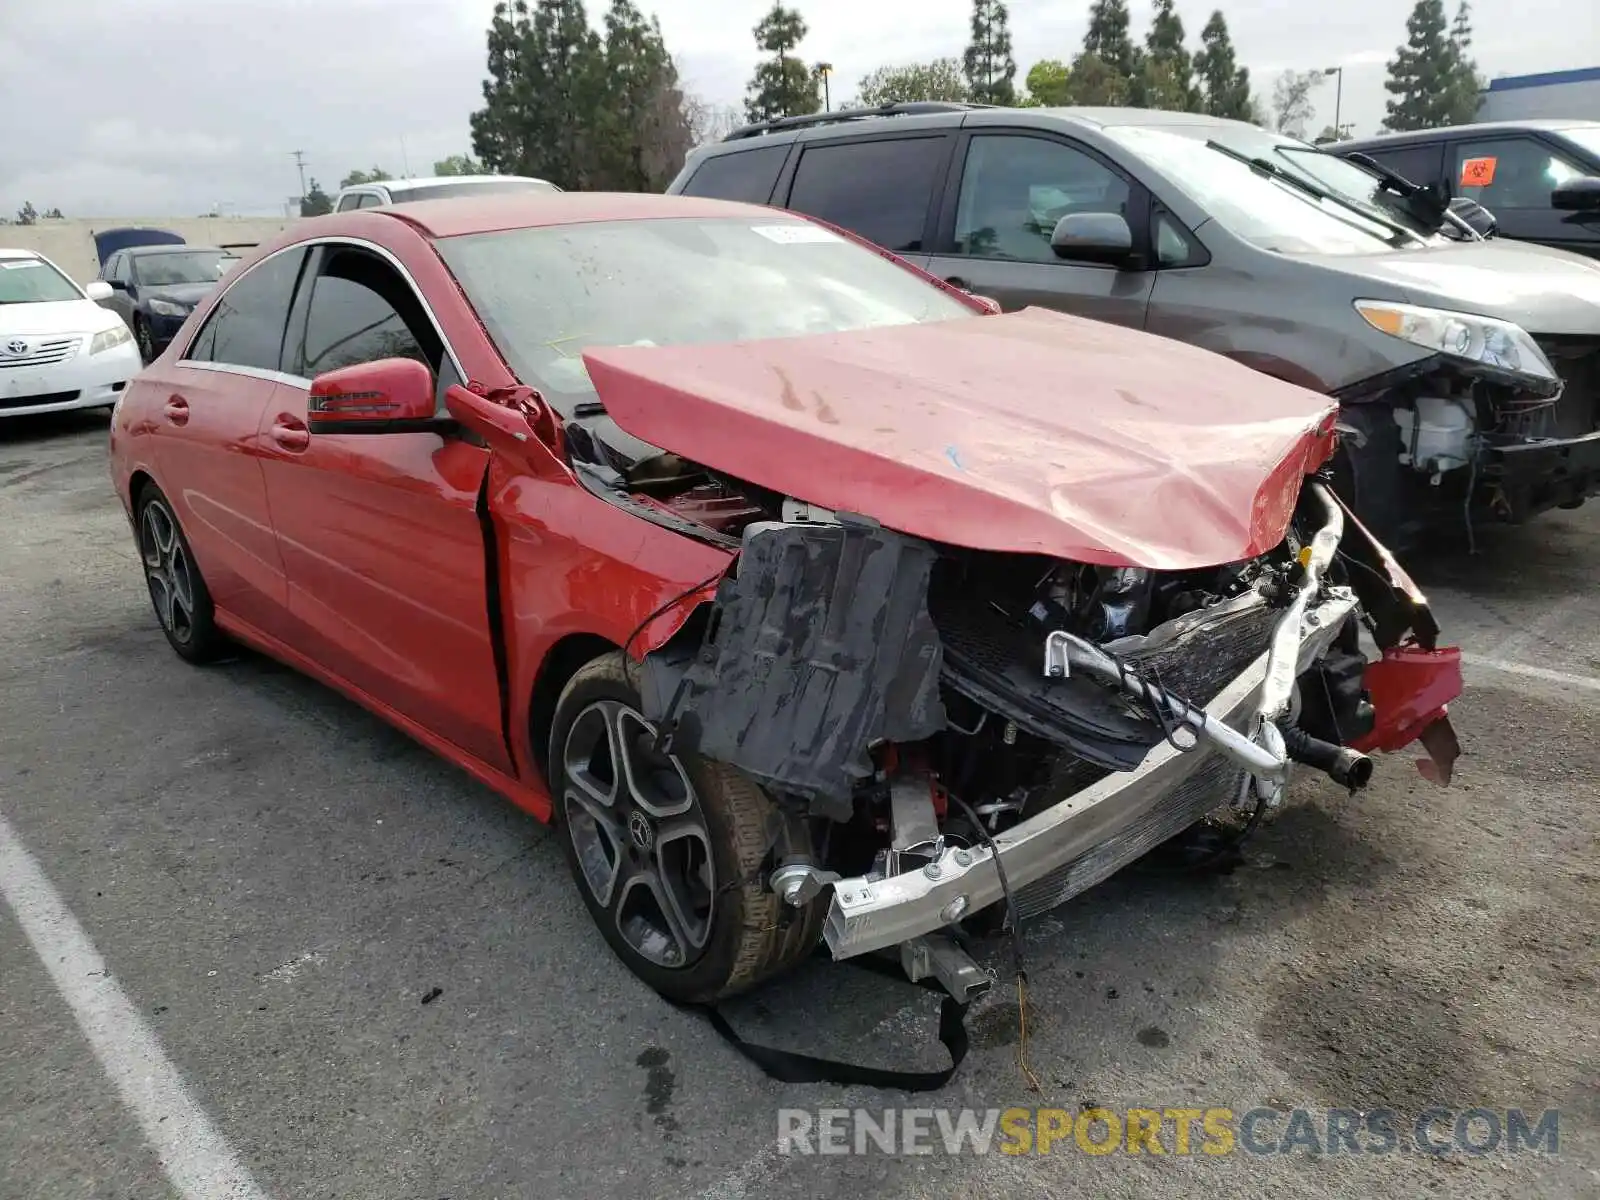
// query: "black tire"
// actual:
[[178, 592], [749, 933], [146, 343]]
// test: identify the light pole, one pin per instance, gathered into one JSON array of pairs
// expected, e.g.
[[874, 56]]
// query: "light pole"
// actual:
[[822, 71], [1338, 97]]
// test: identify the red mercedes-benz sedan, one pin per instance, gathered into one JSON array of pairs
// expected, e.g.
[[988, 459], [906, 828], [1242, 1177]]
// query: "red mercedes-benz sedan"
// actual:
[[810, 597]]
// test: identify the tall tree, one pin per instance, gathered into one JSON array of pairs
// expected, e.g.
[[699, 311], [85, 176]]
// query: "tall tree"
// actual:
[[546, 84], [376, 175], [1049, 83], [643, 127], [990, 70], [458, 164], [315, 202], [783, 86], [940, 79], [1167, 73], [1291, 101], [1431, 80], [1224, 84], [1107, 37], [1467, 94], [1093, 81]]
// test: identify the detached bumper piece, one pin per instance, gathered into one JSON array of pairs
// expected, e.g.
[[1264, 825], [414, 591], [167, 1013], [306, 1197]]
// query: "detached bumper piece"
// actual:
[[1534, 477]]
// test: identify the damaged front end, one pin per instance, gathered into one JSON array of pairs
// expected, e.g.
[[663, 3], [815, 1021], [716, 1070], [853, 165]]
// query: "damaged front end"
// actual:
[[951, 732]]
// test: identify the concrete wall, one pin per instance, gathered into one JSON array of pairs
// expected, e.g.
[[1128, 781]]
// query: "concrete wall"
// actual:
[[71, 242]]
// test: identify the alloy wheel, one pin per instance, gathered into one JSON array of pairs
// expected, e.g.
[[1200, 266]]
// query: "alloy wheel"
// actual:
[[167, 570], [639, 832]]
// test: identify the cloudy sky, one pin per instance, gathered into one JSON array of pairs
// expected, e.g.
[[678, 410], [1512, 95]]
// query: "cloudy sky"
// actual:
[[179, 107]]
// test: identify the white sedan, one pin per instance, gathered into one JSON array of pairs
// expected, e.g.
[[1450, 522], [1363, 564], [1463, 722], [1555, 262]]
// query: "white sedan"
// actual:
[[58, 348]]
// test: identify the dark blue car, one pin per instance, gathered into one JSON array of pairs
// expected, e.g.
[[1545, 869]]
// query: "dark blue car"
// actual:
[[156, 279]]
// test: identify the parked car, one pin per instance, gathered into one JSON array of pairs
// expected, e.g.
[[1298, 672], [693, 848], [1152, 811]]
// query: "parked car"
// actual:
[[405, 191], [767, 567], [58, 348], [154, 288], [1540, 178], [1442, 353]]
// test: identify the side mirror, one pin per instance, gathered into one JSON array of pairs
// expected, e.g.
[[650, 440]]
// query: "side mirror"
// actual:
[[991, 306], [391, 395], [1577, 195], [98, 290], [1093, 238]]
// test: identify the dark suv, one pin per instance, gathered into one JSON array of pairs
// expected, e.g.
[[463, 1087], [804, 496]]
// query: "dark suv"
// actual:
[[1540, 179], [1469, 371]]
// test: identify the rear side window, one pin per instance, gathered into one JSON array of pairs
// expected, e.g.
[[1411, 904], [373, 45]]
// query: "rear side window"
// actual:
[[746, 175], [245, 329], [879, 189], [1419, 164]]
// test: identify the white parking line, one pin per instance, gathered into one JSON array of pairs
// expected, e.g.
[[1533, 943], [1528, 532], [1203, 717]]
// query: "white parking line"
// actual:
[[1587, 683], [194, 1155]]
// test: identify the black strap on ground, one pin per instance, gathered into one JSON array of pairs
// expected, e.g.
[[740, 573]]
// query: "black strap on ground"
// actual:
[[788, 1066]]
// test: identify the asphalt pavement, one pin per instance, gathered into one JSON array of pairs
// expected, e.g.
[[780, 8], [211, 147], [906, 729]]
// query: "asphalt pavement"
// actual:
[[240, 908]]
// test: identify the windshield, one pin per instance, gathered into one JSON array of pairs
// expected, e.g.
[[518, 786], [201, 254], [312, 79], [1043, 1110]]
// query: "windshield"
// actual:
[[1266, 212], [548, 294], [34, 281], [181, 266], [1359, 184], [1587, 137]]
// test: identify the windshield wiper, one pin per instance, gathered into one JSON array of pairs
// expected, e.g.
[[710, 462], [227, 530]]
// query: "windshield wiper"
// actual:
[[1265, 166]]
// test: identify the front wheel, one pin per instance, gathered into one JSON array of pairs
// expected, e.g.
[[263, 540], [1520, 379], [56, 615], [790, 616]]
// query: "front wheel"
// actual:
[[178, 592], [147, 345], [667, 849]]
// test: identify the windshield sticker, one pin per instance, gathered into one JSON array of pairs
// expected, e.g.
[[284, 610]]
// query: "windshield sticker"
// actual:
[[14, 264], [1477, 172], [794, 234]]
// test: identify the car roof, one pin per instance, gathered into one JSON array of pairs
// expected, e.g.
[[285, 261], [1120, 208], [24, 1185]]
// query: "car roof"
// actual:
[[392, 186], [461, 215], [1531, 125], [176, 248]]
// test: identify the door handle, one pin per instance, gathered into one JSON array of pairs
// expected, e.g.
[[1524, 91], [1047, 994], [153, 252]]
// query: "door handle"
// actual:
[[177, 409], [291, 434]]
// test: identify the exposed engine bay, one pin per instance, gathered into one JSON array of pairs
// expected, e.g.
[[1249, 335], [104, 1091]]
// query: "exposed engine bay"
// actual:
[[906, 701]]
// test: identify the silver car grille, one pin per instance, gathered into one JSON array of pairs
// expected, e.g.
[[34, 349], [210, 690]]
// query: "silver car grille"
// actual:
[[42, 353]]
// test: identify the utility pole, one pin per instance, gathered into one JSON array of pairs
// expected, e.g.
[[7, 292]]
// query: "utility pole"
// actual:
[[1338, 98], [299, 157]]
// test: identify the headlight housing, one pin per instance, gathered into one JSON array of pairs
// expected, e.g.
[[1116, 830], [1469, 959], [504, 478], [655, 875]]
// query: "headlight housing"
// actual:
[[166, 308], [110, 339], [1487, 341]]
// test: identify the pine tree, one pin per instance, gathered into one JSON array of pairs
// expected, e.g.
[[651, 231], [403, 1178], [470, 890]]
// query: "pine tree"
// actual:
[[1107, 37], [642, 126], [990, 70], [1465, 95], [1425, 74], [1166, 76], [1224, 84], [783, 86]]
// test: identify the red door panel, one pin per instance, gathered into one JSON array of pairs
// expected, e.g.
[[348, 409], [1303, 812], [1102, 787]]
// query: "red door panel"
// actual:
[[205, 424], [387, 576]]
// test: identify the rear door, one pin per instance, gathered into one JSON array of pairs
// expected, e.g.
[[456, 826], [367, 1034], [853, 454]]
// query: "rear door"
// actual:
[[1012, 187], [1513, 176], [882, 187], [379, 533], [212, 401]]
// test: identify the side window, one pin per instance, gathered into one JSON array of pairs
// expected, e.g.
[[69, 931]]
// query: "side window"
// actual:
[[129, 269], [1508, 172], [1014, 189], [1419, 164], [747, 175], [879, 189], [113, 265], [368, 200], [362, 310], [245, 329], [346, 203], [1175, 245]]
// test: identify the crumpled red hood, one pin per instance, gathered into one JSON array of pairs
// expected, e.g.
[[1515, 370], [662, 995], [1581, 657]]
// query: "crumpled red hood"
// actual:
[[1033, 432]]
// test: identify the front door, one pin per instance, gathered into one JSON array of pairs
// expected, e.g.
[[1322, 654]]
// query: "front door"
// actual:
[[1513, 178], [379, 533], [1014, 188]]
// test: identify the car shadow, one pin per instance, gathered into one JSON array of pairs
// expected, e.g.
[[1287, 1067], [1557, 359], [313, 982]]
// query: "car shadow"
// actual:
[[47, 427]]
